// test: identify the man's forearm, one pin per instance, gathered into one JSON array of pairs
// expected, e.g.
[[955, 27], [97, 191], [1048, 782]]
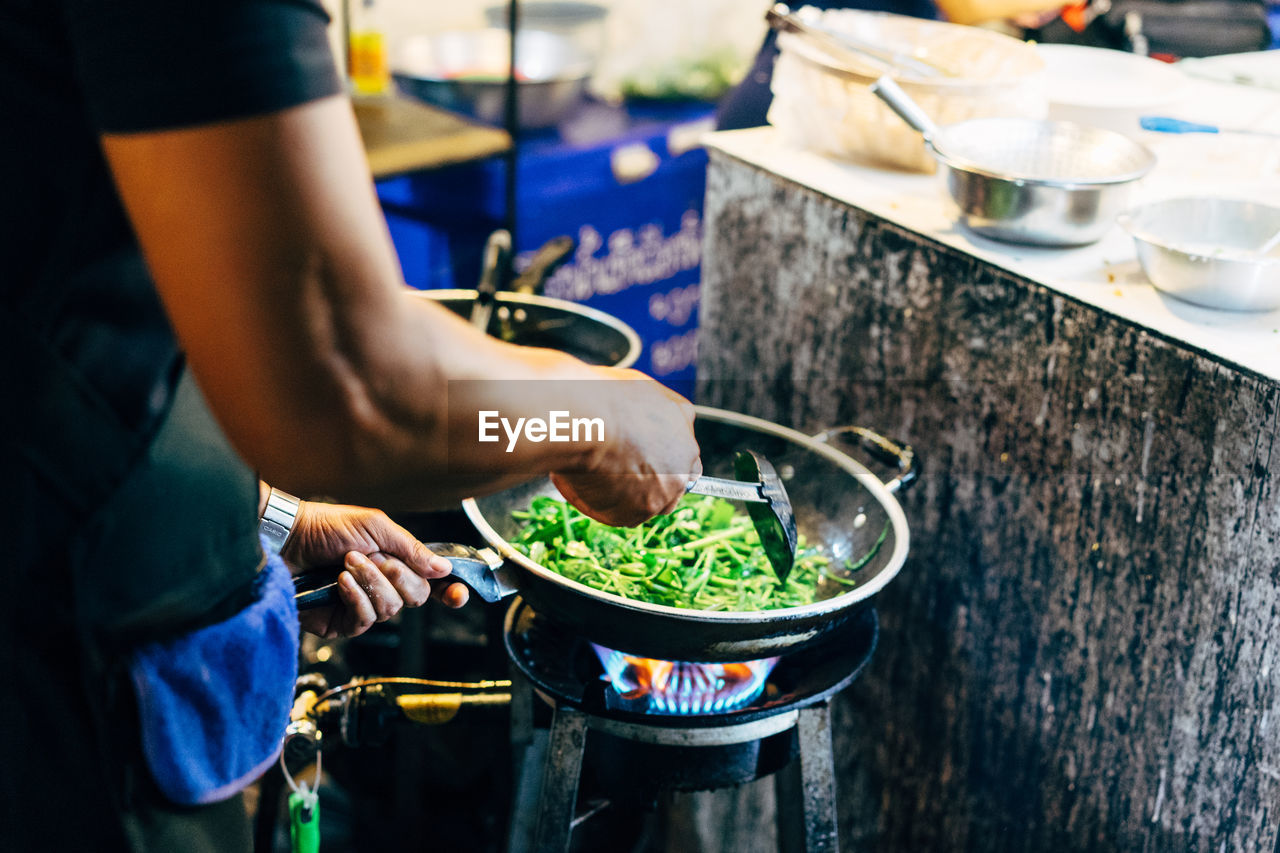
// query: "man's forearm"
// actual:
[[272, 258]]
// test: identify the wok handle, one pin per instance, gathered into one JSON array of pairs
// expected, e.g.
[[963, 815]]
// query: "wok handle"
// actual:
[[546, 260], [900, 456], [493, 275], [887, 90], [478, 569]]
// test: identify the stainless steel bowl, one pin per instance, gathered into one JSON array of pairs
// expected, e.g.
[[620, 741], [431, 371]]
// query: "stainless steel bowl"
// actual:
[[542, 321], [1204, 251], [1041, 183], [465, 71], [581, 23]]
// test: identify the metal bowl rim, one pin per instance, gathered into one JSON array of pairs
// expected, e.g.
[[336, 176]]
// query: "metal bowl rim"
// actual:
[[941, 82], [1127, 219], [576, 12], [634, 345], [454, 81], [962, 165], [577, 71], [829, 605]]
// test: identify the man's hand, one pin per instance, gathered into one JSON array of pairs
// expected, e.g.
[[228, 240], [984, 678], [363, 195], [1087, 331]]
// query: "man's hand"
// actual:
[[384, 567], [649, 459]]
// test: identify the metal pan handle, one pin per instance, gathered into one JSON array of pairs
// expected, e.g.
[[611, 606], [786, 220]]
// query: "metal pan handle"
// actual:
[[482, 570], [900, 456], [546, 260], [887, 90]]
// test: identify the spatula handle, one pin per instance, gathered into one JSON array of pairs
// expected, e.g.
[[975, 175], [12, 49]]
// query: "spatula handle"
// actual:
[[730, 490]]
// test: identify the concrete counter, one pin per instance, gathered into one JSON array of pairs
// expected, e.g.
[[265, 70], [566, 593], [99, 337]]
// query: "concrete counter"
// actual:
[[1082, 652]]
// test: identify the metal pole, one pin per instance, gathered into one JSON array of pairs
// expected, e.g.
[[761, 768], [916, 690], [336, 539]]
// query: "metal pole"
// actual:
[[511, 119]]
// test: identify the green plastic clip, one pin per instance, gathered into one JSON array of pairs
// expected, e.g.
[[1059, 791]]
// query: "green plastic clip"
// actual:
[[304, 821]]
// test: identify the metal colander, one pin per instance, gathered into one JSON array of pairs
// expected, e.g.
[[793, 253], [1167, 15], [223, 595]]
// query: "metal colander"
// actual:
[[1058, 152], [1020, 180]]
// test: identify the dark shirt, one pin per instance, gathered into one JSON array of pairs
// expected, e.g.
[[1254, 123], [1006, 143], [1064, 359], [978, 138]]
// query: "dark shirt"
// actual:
[[71, 70], [83, 334], [73, 274]]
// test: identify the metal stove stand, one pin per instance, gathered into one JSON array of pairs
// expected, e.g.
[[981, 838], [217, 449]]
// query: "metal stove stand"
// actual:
[[786, 733]]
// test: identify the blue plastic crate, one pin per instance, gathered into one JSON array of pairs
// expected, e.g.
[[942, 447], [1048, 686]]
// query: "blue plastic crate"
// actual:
[[627, 185]]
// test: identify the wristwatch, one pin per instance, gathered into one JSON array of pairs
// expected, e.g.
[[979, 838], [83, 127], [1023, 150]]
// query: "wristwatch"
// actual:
[[277, 520]]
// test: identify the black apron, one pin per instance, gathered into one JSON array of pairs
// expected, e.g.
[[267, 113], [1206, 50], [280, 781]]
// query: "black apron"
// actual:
[[129, 517]]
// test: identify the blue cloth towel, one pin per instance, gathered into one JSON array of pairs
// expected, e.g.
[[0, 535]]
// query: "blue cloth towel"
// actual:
[[214, 703]]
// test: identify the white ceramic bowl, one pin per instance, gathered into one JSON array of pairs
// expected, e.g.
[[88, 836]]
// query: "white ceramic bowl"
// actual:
[[1105, 88]]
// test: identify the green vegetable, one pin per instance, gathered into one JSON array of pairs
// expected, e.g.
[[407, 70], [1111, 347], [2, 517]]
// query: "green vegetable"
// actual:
[[705, 78], [851, 565], [704, 556]]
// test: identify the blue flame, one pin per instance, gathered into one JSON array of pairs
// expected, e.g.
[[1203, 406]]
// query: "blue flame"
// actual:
[[672, 687]]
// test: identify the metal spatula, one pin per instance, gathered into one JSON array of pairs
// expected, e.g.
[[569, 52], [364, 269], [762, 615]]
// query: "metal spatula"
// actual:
[[758, 486]]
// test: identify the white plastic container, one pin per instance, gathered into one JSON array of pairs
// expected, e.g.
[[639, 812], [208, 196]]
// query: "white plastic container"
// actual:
[[828, 107], [1105, 88]]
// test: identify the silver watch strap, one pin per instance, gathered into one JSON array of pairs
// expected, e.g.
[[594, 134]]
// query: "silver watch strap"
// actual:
[[277, 520]]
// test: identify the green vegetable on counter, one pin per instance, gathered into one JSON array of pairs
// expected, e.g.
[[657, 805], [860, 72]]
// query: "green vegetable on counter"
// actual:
[[705, 555], [705, 78]]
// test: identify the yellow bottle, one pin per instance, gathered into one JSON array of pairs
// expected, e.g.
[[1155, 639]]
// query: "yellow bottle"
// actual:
[[367, 62]]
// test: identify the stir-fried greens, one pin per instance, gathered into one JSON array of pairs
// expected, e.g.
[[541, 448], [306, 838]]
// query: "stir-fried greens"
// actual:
[[704, 556]]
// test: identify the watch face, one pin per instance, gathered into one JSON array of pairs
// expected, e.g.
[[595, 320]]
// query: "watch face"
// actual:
[[277, 520]]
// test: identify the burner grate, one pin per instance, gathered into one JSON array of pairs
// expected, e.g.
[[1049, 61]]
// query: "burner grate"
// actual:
[[565, 667], [643, 726]]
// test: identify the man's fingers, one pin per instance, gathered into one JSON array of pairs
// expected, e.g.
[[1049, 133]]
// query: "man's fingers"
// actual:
[[427, 564], [671, 507], [564, 487], [412, 588], [394, 539], [451, 595], [359, 614], [383, 596]]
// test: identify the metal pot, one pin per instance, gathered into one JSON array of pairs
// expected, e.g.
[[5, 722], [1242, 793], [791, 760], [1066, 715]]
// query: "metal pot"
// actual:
[[1020, 180], [839, 505], [541, 321], [466, 70]]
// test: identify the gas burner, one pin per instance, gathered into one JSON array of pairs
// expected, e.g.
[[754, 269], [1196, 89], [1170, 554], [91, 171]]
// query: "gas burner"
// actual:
[[566, 668], [675, 687], [643, 726]]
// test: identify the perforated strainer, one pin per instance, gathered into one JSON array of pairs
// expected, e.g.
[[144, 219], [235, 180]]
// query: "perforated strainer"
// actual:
[[1048, 151], [1029, 181]]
